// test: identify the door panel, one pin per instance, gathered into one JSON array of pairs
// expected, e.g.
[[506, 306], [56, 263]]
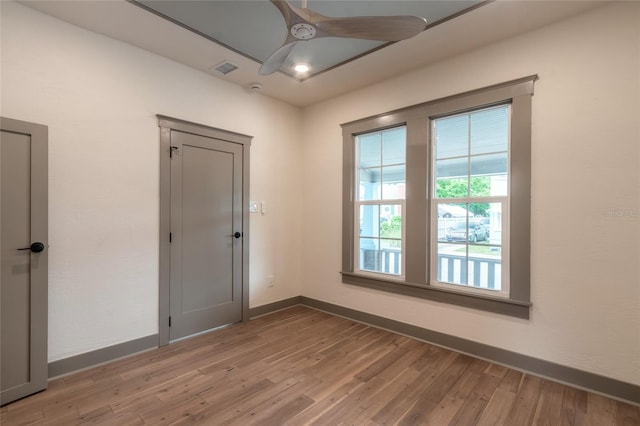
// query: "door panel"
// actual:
[[207, 193], [16, 274], [23, 290], [206, 210]]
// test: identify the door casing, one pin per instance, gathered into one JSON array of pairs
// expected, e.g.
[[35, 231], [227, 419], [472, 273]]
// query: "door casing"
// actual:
[[167, 124]]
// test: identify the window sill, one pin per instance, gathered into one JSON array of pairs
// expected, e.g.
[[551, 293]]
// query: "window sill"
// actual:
[[498, 305]]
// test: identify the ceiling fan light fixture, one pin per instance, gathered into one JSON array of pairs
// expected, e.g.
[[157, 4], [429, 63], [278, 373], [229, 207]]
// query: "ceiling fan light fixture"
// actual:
[[301, 68]]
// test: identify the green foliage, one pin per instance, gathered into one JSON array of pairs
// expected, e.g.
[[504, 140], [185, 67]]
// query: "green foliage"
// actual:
[[391, 229], [451, 188], [456, 188]]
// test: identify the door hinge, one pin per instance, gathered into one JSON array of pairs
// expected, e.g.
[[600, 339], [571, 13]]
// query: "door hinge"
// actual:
[[169, 321], [171, 149], [170, 237]]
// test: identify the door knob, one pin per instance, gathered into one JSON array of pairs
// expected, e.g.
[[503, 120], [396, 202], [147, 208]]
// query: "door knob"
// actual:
[[237, 235], [36, 247]]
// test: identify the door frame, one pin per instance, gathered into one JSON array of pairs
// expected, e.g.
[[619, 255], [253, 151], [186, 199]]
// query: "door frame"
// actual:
[[167, 124], [39, 319]]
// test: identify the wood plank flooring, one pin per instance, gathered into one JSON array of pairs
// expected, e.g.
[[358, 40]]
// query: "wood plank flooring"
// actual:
[[304, 367]]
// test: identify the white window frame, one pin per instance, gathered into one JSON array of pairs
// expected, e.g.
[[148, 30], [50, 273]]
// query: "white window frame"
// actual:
[[381, 202], [504, 200]]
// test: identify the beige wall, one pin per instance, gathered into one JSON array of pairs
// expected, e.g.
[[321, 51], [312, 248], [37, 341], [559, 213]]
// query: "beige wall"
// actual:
[[586, 172], [99, 98]]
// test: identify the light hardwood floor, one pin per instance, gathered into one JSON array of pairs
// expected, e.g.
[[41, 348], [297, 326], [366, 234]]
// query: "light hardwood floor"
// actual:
[[301, 366]]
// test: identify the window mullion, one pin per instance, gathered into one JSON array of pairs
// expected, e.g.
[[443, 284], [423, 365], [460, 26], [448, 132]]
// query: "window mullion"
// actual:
[[417, 204]]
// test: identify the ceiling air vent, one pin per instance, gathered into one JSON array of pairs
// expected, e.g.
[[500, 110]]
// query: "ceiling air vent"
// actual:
[[224, 67]]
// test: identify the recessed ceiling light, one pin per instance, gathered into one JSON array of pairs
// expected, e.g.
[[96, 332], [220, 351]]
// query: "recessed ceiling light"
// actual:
[[301, 68]]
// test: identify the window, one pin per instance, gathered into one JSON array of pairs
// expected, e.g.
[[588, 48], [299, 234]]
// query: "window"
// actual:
[[380, 201], [436, 199], [470, 176]]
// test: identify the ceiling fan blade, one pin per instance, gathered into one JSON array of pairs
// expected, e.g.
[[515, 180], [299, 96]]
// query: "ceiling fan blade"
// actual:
[[286, 11], [277, 59], [382, 28]]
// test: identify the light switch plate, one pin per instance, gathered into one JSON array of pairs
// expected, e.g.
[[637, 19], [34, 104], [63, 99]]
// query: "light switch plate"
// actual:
[[253, 207]]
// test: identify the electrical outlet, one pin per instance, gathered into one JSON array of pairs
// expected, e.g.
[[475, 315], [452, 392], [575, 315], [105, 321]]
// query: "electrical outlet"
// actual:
[[270, 281]]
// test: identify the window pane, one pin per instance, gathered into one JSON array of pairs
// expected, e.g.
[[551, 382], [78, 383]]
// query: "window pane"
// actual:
[[380, 256], [493, 222], [478, 233], [393, 178], [452, 179], [391, 221], [452, 136], [490, 172], [369, 184], [452, 211], [452, 263], [369, 146], [369, 221], [484, 267], [390, 257], [480, 186], [394, 146], [490, 130], [477, 211], [452, 188], [449, 215], [459, 231], [493, 164], [369, 254], [458, 167], [484, 271]]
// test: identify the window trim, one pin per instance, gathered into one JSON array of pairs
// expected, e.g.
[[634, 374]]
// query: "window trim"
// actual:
[[418, 202]]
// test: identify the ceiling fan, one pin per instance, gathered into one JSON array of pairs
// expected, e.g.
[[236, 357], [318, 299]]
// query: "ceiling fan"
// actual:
[[304, 24]]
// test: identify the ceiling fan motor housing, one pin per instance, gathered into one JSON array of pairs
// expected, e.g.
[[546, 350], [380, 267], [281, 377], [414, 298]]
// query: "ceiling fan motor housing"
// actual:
[[303, 31]]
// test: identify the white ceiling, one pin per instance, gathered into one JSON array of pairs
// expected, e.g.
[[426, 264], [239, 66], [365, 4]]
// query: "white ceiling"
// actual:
[[492, 22]]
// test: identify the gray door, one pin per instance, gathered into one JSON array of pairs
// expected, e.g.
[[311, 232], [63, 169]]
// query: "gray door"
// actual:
[[206, 234], [23, 286]]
